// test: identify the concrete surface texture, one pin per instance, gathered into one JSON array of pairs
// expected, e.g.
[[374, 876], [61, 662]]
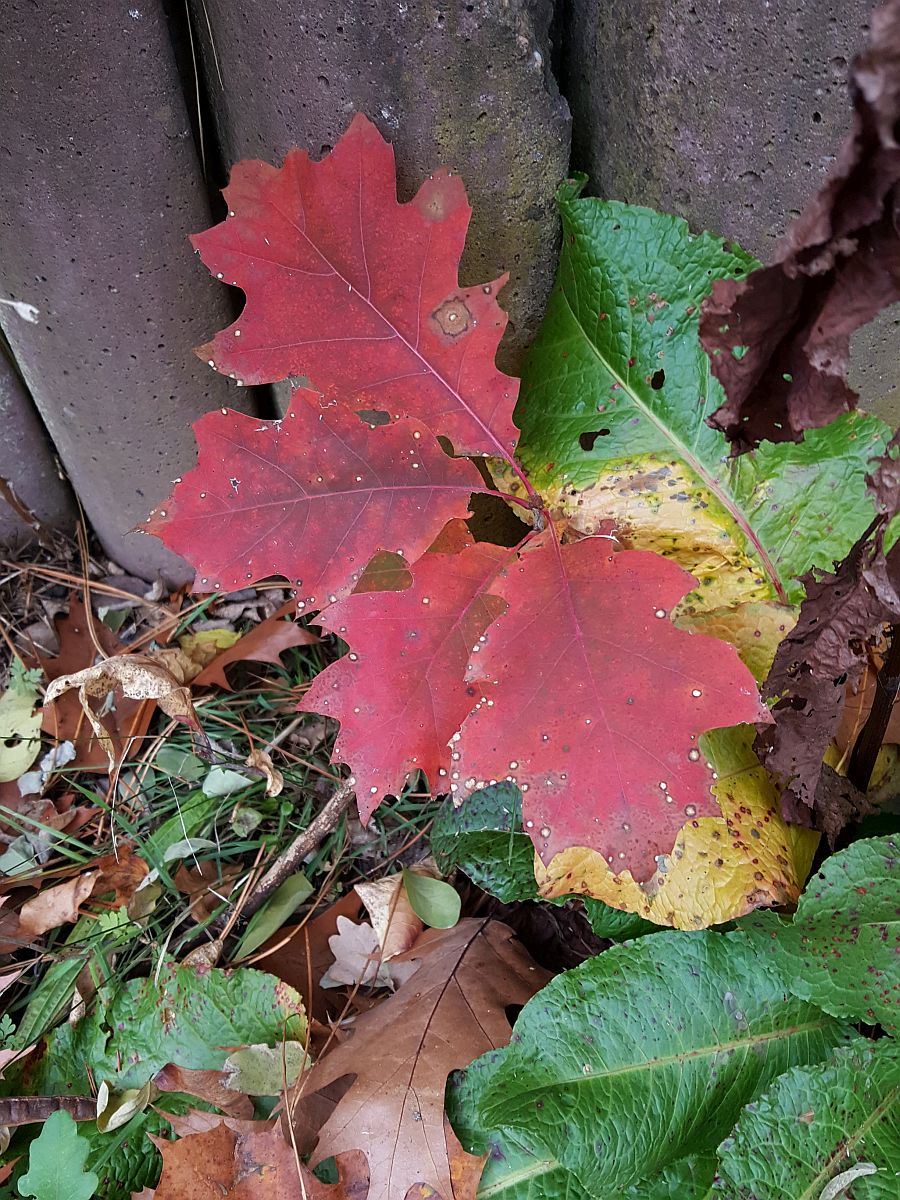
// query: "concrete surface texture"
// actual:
[[727, 112], [464, 85], [27, 463], [99, 188]]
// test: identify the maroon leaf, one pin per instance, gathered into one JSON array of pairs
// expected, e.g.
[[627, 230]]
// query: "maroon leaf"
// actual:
[[311, 497], [594, 702], [779, 341], [360, 293], [822, 656], [419, 640]]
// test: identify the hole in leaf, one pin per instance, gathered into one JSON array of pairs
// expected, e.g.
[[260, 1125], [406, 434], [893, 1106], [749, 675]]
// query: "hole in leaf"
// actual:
[[657, 379], [586, 440]]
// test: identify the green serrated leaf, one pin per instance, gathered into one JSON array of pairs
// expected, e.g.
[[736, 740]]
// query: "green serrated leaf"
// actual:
[[842, 948], [56, 1163], [188, 1016], [815, 1123], [615, 393], [646, 1053], [432, 900], [280, 906], [484, 839]]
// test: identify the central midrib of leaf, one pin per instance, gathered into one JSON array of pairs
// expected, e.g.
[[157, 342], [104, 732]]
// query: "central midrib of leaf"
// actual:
[[541, 1166], [668, 1060], [503, 452], [722, 495]]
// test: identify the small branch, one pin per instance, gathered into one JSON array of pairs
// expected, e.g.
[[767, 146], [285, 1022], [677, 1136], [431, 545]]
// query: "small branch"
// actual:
[[869, 742], [291, 858]]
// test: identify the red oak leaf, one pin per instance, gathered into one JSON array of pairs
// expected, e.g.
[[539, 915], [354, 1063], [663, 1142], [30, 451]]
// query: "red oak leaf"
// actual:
[[420, 640], [311, 497], [596, 701], [361, 294]]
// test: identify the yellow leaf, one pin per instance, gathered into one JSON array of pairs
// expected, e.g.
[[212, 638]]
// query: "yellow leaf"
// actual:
[[20, 727], [720, 867], [203, 647]]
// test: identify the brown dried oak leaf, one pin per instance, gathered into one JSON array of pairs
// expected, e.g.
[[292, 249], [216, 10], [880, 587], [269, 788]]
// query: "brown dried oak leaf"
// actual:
[[400, 1054], [265, 643], [223, 1164], [779, 340]]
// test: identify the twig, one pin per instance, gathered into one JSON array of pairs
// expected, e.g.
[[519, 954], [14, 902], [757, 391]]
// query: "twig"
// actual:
[[887, 685], [289, 860]]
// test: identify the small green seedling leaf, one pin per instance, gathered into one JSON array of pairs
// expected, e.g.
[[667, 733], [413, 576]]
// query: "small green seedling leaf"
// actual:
[[56, 1163], [433, 901], [281, 905], [180, 763], [222, 782]]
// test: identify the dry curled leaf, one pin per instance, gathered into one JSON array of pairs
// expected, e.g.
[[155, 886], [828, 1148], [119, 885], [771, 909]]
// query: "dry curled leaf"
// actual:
[[400, 1054], [396, 925], [265, 643], [139, 677], [222, 1164], [261, 761], [55, 906], [359, 959], [64, 718]]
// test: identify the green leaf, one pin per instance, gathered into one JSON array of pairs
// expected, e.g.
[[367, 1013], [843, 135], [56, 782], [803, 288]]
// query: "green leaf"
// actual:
[[180, 763], [265, 1070], [615, 394], [814, 1124], [842, 948], [433, 901], [281, 905], [189, 1017], [647, 1053], [517, 1169], [484, 839], [222, 782], [56, 1161], [49, 998]]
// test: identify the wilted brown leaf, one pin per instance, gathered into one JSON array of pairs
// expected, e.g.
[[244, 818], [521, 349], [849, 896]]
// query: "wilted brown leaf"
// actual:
[[222, 1164], [395, 923], [55, 906], [139, 677], [265, 644], [400, 1054], [261, 761], [64, 718], [210, 1086]]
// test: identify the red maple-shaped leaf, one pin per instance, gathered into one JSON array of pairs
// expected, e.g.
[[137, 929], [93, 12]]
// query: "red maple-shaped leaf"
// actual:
[[360, 293], [400, 694], [596, 701], [311, 497]]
